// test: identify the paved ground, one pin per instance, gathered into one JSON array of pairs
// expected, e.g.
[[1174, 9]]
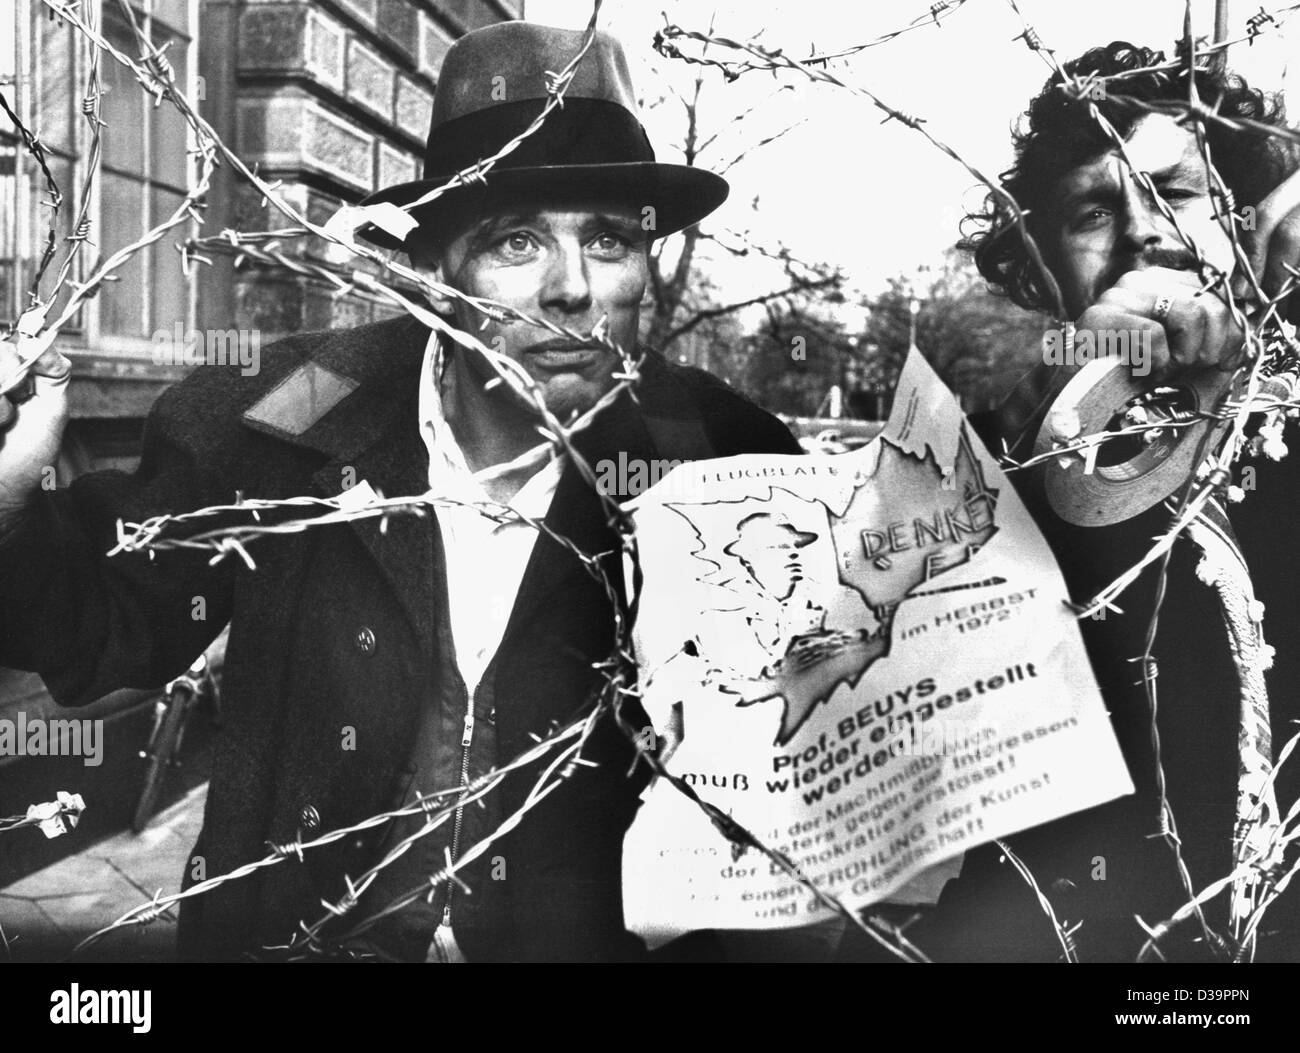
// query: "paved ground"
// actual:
[[45, 914]]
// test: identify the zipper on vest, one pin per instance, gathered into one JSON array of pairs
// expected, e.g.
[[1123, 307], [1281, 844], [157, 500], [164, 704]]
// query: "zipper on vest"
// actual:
[[466, 740], [444, 948]]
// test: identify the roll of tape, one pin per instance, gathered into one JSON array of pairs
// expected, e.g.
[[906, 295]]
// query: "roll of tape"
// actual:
[[1087, 491]]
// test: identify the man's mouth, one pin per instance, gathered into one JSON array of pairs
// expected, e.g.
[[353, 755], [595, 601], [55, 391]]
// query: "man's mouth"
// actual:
[[565, 355]]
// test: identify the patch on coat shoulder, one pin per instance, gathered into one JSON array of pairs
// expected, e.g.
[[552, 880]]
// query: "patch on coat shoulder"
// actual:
[[301, 399]]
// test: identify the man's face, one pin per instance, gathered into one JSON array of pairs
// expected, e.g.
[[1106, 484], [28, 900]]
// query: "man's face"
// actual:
[[569, 265], [769, 551], [1103, 224]]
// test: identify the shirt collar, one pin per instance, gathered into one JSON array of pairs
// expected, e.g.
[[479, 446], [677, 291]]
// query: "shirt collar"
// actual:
[[449, 472]]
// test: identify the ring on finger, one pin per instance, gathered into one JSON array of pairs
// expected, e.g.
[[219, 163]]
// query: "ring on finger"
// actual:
[[1160, 309]]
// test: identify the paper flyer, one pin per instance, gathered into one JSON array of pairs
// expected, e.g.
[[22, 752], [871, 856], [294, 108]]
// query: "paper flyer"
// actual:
[[868, 663]]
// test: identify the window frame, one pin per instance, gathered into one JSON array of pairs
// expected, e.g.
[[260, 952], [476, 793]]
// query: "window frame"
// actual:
[[87, 330]]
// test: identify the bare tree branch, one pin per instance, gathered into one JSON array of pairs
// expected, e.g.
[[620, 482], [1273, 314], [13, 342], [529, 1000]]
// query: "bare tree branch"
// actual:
[[718, 312], [761, 143]]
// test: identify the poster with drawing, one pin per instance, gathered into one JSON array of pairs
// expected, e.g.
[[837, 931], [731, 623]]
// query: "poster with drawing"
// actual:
[[863, 658]]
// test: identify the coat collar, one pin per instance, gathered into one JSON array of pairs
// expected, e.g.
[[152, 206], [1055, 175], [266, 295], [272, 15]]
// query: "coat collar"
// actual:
[[577, 513]]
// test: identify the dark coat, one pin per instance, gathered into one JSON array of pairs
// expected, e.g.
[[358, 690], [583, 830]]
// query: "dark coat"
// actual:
[[340, 638]]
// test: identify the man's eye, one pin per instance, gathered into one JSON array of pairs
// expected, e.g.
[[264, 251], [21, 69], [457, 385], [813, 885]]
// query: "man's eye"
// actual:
[[516, 244], [1091, 218], [609, 243]]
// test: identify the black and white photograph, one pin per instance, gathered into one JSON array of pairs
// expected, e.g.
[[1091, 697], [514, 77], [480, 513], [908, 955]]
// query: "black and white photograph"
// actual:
[[588, 481]]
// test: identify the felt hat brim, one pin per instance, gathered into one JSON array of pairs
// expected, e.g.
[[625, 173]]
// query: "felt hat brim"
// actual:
[[679, 194]]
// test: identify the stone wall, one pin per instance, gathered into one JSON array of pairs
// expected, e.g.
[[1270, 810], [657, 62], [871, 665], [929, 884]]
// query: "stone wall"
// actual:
[[332, 98]]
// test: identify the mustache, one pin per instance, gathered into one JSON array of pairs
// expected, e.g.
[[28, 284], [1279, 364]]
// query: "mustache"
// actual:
[[1179, 258]]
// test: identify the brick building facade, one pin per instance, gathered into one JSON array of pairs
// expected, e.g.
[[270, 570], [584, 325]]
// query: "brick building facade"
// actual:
[[331, 98]]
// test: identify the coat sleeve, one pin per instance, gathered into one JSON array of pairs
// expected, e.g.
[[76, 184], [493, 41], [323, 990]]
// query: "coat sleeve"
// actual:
[[89, 623]]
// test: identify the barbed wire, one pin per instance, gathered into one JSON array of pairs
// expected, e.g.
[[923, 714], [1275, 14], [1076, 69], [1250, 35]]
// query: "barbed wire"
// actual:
[[155, 75], [36, 149], [732, 70], [308, 939], [558, 82], [53, 817], [1064, 933], [1274, 20], [429, 805], [1210, 476], [1213, 476], [887, 935], [90, 110], [670, 32], [151, 535]]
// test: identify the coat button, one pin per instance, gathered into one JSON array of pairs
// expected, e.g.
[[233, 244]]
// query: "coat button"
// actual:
[[365, 640], [309, 819]]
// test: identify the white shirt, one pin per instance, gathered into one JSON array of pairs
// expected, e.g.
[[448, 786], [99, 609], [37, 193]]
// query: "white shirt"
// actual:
[[485, 558]]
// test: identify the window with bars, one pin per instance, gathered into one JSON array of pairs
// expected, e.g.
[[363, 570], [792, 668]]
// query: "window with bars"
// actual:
[[144, 170]]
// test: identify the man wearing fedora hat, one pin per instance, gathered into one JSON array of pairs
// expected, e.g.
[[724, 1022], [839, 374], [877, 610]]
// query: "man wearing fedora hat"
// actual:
[[369, 662]]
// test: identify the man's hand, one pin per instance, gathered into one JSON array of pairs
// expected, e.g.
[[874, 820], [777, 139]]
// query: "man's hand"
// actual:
[[33, 414], [1274, 245], [1184, 328]]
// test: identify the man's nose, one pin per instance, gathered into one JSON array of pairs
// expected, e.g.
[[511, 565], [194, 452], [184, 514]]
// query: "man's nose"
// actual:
[[566, 287], [1144, 228]]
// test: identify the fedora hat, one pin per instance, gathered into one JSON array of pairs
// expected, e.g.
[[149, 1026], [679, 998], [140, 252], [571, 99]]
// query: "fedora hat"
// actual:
[[492, 87]]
